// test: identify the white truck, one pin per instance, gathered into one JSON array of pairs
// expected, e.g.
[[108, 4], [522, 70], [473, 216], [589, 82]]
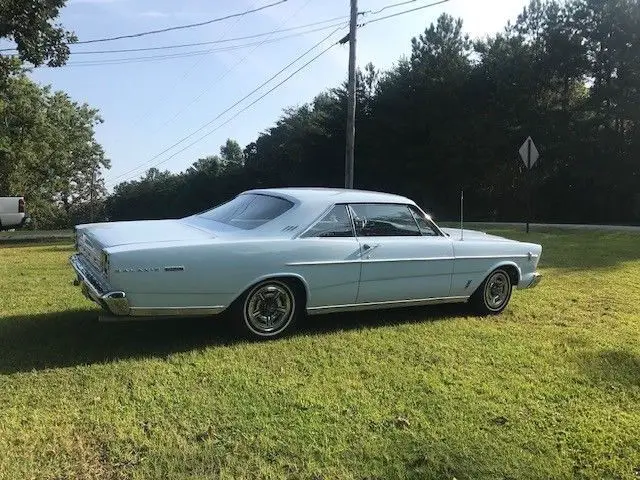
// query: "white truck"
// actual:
[[13, 213]]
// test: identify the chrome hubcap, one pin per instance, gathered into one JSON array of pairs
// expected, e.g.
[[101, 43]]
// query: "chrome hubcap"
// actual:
[[496, 291], [269, 308]]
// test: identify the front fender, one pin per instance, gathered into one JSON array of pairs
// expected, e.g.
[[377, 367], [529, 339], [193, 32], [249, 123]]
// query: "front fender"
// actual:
[[504, 263]]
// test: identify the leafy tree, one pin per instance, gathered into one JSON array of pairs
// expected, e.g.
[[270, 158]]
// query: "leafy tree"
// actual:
[[231, 155], [30, 25], [48, 151], [209, 166]]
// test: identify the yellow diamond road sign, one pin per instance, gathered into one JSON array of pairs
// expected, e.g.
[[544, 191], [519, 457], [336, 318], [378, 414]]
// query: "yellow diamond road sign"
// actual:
[[529, 153]]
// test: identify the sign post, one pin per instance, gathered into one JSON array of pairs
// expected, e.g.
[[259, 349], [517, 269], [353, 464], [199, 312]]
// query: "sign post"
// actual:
[[529, 154]]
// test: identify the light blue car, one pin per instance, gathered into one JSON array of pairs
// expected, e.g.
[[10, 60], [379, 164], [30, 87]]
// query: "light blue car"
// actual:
[[272, 255]]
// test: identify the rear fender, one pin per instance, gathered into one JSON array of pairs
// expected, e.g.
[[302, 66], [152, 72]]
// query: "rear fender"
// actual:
[[281, 275]]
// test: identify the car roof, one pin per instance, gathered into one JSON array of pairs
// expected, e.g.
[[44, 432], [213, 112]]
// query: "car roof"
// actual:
[[329, 196]]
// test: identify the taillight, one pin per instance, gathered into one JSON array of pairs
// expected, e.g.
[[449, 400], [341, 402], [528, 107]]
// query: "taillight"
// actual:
[[21, 205]]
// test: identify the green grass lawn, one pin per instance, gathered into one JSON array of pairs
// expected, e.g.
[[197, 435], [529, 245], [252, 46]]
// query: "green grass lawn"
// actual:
[[550, 389]]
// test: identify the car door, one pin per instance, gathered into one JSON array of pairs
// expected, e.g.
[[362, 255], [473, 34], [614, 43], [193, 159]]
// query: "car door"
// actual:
[[400, 261], [327, 256]]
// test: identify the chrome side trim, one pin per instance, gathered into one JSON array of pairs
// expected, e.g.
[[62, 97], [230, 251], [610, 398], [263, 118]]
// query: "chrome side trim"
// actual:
[[375, 260], [174, 311], [489, 257], [390, 304], [395, 260], [323, 262]]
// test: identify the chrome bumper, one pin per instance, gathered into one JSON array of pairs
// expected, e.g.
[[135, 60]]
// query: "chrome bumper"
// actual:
[[94, 289], [536, 280]]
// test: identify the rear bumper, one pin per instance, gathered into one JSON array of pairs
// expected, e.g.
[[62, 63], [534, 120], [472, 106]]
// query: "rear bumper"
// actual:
[[96, 290]]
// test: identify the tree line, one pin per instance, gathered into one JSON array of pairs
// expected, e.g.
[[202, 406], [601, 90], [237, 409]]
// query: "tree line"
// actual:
[[449, 116]]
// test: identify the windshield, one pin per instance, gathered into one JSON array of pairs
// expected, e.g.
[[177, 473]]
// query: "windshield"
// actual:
[[248, 211]]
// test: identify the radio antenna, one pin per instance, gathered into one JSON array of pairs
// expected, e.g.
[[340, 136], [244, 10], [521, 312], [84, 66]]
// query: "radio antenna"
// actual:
[[461, 214]]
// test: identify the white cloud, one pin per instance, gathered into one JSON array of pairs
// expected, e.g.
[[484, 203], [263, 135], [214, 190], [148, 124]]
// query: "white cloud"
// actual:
[[154, 14]]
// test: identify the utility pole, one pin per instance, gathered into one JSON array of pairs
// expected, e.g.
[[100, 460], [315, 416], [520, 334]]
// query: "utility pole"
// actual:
[[351, 101]]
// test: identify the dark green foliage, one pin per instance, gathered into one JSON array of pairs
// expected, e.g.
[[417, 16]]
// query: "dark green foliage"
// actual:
[[453, 115], [29, 24], [48, 152]]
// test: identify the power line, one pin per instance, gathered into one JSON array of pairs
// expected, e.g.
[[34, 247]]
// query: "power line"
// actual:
[[240, 61], [245, 37], [150, 58], [222, 36], [199, 139], [266, 82], [258, 88], [142, 59], [386, 7], [213, 42], [403, 12], [197, 44], [182, 27]]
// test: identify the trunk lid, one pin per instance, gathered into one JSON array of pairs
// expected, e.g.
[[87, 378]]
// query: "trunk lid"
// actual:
[[135, 232]]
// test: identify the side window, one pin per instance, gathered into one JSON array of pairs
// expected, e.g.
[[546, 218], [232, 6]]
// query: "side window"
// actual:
[[425, 225], [336, 223], [384, 220]]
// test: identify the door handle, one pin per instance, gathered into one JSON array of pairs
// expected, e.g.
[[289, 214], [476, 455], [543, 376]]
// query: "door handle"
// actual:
[[366, 248]]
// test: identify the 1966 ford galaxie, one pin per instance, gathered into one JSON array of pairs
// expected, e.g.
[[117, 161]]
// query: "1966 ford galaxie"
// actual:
[[271, 255]]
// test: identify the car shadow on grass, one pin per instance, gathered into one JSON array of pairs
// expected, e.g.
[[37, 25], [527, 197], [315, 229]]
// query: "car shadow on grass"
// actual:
[[71, 338], [612, 367]]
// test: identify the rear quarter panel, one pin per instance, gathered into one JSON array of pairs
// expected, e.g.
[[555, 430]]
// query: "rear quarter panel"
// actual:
[[215, 273]]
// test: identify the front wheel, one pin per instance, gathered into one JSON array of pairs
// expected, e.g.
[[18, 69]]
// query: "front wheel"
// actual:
[[493, 295], [268, 309]]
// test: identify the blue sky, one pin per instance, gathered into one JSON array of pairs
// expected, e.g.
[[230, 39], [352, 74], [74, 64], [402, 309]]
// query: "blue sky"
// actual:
[[149, 106]]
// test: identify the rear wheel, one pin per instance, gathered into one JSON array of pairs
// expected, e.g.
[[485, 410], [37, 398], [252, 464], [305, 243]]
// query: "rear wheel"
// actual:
[[268, 309], [493, 295]]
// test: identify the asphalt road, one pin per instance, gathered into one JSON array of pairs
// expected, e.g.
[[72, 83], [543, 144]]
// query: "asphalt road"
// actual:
[[35, 235], [544, 226]]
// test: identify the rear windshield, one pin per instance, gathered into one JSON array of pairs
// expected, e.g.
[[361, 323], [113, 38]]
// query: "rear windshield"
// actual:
[[248, 211]]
